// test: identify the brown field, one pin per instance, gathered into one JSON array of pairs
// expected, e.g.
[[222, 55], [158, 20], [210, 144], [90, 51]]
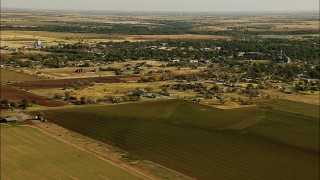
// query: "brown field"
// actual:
[[9, 75], [13, 94], [67, 83]]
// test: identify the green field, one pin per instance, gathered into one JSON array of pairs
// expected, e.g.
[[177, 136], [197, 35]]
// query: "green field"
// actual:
[[204, 142], [8, 75], [28, 154]]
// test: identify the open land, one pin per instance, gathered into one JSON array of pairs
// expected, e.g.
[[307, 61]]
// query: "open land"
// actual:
[[217, 137], [26, 152], [165, 96]]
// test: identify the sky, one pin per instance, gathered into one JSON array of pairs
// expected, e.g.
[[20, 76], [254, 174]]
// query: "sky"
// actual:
[[168, 5]]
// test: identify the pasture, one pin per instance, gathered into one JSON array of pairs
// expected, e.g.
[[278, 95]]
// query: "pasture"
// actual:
[[26, 152], [204, 142]]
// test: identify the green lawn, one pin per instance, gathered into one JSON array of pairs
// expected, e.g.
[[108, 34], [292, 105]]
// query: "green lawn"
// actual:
[[28, 154], [197, 140]]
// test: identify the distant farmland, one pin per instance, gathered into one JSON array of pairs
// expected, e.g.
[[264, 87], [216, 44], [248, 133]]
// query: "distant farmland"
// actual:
[[203, 142], [67, 83], [28, 154]]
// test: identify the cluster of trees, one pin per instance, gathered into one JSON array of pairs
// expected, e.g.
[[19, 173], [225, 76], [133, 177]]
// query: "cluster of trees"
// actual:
[[166, 27], [157, 27], [257, 49], [24, 103], [282, 72], [267, 49]]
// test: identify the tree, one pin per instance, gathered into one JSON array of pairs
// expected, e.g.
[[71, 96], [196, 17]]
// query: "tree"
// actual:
[[215, 89], [83, 100], [58, 96], [149, 89], [250, 86], [25, 103], [14, 104], [67, 95], [222, 101], [4, 102]]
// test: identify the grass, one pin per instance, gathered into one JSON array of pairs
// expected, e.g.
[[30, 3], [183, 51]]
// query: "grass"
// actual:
[[8, 75], [196, 139], [27, 153]]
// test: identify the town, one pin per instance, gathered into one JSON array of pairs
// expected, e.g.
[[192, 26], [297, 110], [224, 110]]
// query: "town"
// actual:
[[159, 95]]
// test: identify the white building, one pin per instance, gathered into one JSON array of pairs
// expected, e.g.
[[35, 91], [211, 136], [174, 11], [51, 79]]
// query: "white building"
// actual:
[[38, 44]]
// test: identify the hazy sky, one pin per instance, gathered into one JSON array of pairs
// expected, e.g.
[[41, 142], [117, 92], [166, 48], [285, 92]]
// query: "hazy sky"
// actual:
[[168, 5]]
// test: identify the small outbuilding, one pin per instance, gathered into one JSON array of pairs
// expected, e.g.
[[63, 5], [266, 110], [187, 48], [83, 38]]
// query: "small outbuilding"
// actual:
[[9, 120]]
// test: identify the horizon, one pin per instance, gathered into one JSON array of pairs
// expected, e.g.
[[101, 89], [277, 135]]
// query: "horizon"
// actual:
[[270, 12], [179, 6]]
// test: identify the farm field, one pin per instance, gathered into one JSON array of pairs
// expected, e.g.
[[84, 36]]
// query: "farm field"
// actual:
[[204, 142], [67, 83], [14, 94], [26, 152], [9, 75], [26, 38]]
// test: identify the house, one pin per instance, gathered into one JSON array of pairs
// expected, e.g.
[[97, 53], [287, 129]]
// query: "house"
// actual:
[[175, 60], [284, 59], [193, 61], [287, 91], [217, 48], [241, 54]]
